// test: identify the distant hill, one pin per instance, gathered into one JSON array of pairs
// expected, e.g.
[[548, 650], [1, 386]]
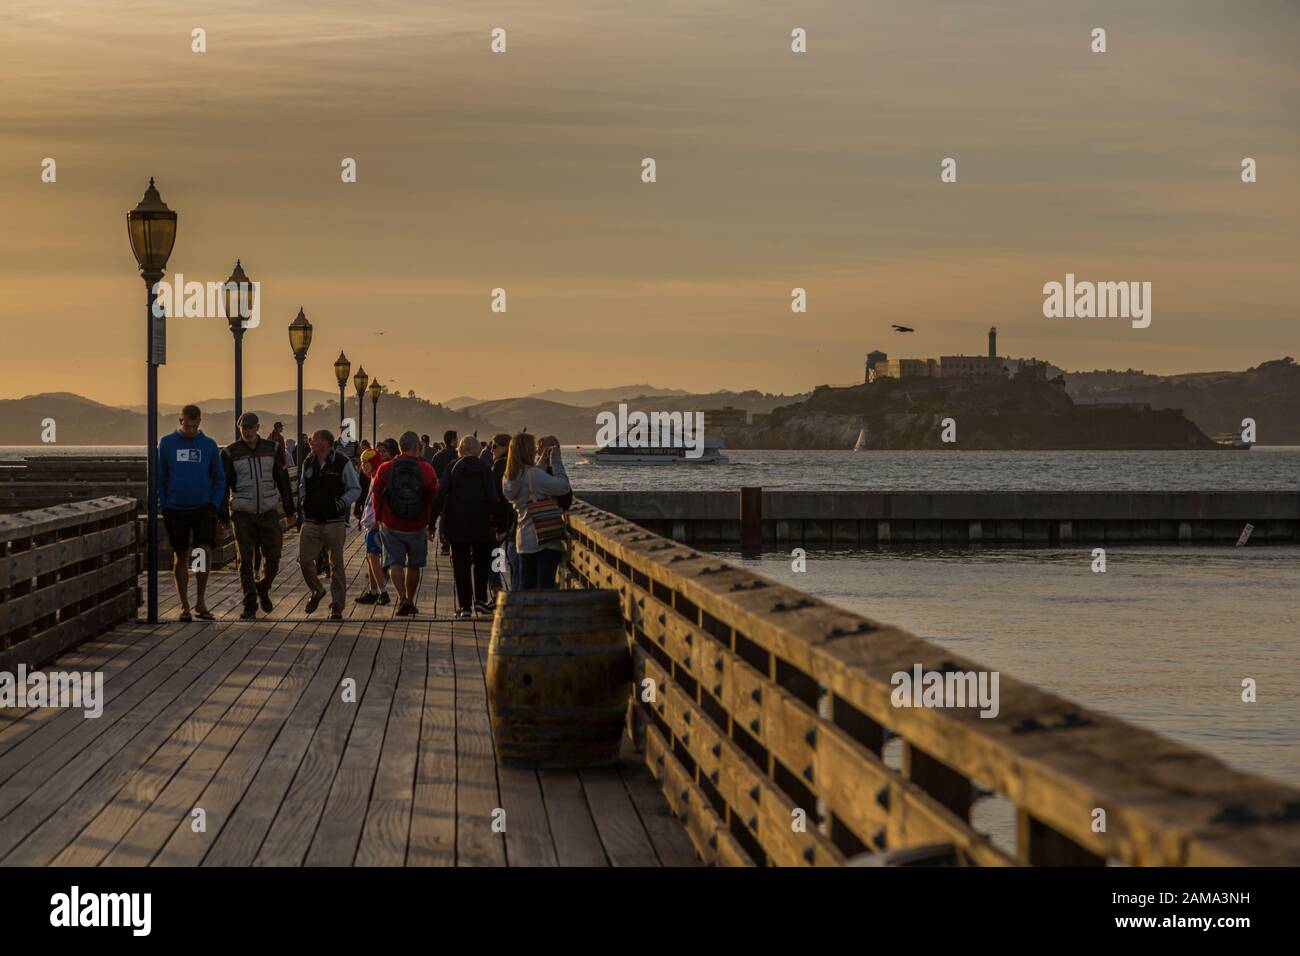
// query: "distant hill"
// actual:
[[586, 397], [576, 425], [1216, 401], [276, 403], [463, 401], [77, 421]]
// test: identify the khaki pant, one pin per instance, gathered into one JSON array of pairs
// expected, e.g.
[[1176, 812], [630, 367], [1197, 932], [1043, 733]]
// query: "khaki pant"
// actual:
[[253, 534], [312, 539]]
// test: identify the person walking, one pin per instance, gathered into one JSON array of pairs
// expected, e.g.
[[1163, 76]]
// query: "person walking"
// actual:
[[506, 531], [539, 525], [261, 502], [277, 436], [470, 508], [427, 451], [403, 490], [441, 462], [330, 486], [376, 591], [191, 487]]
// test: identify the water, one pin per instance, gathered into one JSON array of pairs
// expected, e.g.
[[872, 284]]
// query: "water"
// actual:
[[1262, 469]]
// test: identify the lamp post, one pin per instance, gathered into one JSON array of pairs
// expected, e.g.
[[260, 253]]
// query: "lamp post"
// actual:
[[299, 341], [373, 392], [359, 382], [238, 293], [151, 227], [341, 369]]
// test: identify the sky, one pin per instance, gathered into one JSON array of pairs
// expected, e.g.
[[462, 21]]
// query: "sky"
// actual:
[[522, 170]]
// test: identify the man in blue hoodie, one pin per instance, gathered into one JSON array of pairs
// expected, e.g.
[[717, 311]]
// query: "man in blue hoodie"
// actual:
[[191, 486]]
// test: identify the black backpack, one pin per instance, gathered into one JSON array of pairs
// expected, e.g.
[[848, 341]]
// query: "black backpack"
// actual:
[[405, 491]]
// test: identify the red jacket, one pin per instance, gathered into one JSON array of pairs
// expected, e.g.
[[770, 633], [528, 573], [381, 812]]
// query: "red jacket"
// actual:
[[384, 514]]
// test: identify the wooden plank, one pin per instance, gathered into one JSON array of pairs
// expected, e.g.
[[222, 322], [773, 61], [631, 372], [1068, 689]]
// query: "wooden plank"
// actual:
[[254, 812], [160, 839], [48, 820], [432, 840], [335, 840], [478, 799], [577, 842], [671, 844], [617, 821], [21, 611], [290, 834], [42, 521], [209, 731]]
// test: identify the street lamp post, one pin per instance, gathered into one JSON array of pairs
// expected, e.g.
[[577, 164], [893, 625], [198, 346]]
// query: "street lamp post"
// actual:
[[238, 292], [299, 341], [359, 381], [341, 369], [373, 392], [151, 227]]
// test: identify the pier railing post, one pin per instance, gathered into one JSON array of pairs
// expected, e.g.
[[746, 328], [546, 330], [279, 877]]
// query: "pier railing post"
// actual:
[[751, 519]]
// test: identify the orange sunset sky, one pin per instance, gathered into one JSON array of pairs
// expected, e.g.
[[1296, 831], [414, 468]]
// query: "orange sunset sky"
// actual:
[[522, 170]]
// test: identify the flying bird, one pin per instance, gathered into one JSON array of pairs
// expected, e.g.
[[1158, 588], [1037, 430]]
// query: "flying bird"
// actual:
[[902, 328]]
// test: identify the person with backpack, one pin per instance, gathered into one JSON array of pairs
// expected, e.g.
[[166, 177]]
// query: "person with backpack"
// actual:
[[470, 509], [403, 491], [532, 489], [329, 486]]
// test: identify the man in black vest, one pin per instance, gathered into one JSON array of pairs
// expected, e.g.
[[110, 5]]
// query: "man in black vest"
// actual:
[[329, 486]]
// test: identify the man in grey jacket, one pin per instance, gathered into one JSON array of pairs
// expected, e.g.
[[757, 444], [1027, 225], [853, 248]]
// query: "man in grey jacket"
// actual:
[[261, 501]]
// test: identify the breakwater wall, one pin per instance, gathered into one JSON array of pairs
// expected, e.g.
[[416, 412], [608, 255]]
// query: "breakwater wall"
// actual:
[[870, 519]]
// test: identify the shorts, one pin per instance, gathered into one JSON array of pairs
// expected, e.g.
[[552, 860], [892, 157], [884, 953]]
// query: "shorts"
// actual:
[[190, 527], [372, 542], [409, 549]]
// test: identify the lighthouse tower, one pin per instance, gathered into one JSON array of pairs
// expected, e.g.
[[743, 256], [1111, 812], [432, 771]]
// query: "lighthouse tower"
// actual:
[[993, 343]]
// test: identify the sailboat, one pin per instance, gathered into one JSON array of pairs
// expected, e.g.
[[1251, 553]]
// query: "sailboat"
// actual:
[[861, 443]]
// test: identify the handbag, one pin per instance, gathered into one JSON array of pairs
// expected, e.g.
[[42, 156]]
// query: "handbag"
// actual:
[[546, 516]]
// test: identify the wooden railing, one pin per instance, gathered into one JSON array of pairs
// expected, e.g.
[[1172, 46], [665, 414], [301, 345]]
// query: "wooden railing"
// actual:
[[761, 706], [66, 573]]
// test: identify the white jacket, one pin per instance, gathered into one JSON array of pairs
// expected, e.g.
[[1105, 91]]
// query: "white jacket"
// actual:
[[544, 486]]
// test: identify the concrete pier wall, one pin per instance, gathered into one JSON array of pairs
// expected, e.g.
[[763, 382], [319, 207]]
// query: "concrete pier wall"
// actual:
[[857, 519]]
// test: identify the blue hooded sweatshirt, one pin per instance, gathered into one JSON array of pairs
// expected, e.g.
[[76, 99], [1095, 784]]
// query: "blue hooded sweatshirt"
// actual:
[[190, 473]]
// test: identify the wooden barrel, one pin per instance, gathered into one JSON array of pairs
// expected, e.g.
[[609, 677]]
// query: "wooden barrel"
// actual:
[[559, 674]]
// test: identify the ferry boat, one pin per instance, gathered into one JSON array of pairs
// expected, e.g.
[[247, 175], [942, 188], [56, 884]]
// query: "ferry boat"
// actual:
[[623, 455], [1232, 440]]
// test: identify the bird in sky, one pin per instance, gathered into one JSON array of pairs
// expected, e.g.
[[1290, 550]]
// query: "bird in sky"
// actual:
[[902, 328]]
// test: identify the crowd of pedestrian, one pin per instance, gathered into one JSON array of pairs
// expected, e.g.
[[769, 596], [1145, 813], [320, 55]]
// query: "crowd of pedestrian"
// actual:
[[496, 508]]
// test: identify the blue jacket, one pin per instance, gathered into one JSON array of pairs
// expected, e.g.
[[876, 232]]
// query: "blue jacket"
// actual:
[[190, 473]]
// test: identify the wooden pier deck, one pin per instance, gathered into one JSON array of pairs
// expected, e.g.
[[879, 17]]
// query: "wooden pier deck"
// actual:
[[246, 722]]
